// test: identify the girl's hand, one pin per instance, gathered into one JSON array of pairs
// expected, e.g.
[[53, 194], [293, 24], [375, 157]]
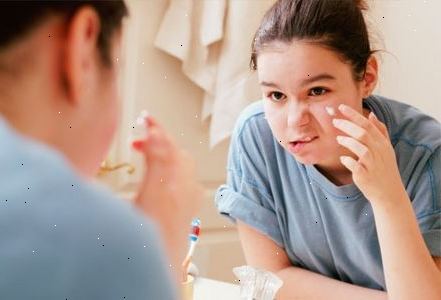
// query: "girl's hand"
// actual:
[[169, 192], [374, 170]]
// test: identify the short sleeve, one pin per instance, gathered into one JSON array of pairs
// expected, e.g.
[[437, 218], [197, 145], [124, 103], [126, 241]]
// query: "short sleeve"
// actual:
[[246, 196], [426, 201]]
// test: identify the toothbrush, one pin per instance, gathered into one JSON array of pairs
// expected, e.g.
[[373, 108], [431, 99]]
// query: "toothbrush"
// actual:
[[193, 238]]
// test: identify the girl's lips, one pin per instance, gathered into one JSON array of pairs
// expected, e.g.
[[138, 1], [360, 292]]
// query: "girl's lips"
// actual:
[[298, 146]]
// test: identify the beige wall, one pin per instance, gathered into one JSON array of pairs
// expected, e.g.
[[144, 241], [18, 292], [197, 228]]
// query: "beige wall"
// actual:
[[410, 31], [170, 96]]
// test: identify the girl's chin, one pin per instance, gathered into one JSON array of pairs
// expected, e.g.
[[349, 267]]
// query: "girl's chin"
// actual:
[[307, 160], [315, 159]]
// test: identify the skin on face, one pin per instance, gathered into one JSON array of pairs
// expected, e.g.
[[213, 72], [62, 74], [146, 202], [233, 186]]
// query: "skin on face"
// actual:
[[299, 80]]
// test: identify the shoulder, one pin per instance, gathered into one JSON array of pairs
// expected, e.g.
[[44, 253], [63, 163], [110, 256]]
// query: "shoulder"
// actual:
[[76, 227], [416, 138], [252, 128], [409, 125]]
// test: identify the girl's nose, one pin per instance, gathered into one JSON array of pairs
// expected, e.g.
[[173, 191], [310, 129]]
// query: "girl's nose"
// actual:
[[298, 114]]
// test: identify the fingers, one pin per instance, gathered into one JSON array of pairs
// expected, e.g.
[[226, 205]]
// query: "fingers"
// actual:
[[350, 128], [356, 147], [359, 120], [353, 115], [158, 145], [351, 164], [380, 125]]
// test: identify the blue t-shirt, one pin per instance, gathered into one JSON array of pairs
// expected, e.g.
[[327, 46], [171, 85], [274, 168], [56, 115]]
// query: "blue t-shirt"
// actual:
[[325, 228], [63, 238]]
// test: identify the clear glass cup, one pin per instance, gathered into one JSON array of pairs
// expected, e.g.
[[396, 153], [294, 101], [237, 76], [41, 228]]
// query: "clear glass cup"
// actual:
[[187, 288]]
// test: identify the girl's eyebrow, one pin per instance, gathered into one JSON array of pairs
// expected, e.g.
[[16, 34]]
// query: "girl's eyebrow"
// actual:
[[269, 84], [323, 76]]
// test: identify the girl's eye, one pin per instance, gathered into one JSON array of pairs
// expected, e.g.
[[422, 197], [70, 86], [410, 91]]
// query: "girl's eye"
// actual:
[[317, 91], [276, 96]]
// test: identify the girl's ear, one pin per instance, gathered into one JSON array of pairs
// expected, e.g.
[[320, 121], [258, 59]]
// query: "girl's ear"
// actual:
[[81, 53], [370, 77]]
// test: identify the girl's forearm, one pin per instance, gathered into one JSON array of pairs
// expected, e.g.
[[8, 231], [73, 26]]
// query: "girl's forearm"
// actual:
[[409, 269], [303, 284]]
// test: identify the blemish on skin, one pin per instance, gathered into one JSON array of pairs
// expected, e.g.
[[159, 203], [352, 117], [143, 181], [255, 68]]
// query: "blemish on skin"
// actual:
[[330, 110]]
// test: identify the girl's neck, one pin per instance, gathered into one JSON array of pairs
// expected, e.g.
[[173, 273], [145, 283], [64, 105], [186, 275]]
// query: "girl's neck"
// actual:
[[337, 175]]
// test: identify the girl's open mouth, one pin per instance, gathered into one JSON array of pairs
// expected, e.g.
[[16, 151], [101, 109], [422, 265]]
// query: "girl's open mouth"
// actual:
[[297, 146]]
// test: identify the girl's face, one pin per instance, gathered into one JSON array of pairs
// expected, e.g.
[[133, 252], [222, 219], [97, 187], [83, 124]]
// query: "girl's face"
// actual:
[[299, 80]]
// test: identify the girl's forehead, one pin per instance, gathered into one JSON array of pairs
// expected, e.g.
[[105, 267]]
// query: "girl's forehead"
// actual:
[[297, 52], [298, 59]]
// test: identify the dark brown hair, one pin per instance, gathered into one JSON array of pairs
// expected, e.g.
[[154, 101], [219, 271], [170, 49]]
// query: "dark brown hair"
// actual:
[[338, 25], [18, 17]]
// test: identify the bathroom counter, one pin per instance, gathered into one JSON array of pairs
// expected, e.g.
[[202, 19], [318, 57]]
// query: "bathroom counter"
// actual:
[[209, 289]]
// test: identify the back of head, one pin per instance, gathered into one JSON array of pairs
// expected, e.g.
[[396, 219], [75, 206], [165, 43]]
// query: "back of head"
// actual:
[[58, 76], [17, 18]]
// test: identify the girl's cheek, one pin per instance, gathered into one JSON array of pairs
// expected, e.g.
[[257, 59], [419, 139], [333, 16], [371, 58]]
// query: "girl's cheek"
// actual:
[[324, 113]]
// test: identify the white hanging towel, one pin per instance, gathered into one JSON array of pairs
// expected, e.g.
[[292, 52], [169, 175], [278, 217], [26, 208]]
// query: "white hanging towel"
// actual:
[[213, 40]]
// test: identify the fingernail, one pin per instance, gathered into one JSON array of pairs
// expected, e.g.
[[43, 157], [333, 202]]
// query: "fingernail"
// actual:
[[330, 110], [137, 145], [339, 138], [343, 159], [342, 107], [336, 122], [144, 113]]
